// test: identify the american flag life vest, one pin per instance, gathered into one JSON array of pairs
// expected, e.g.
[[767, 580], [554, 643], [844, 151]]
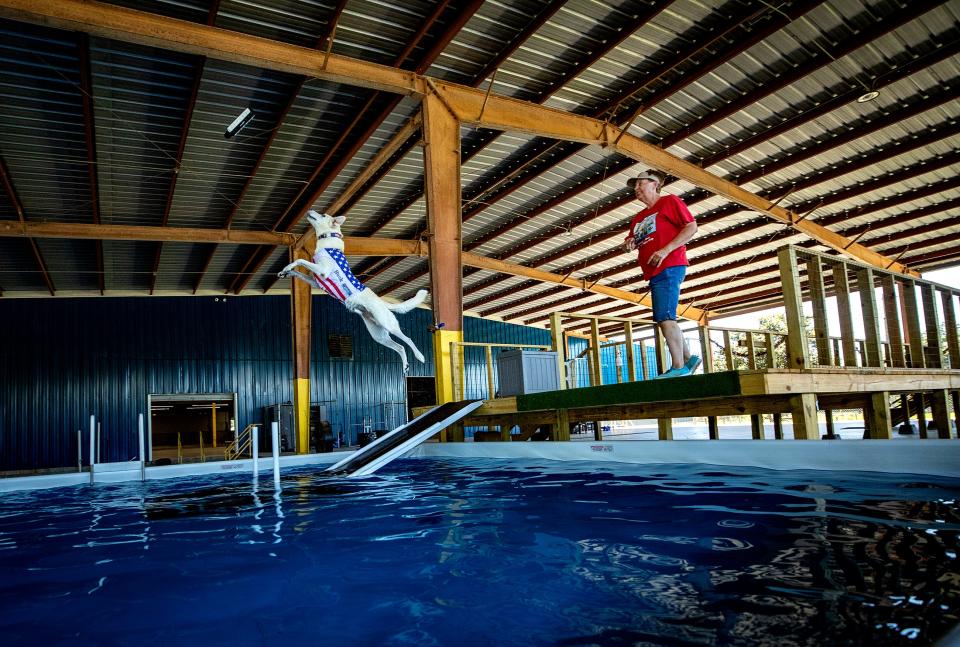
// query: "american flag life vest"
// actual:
[[341, 283]]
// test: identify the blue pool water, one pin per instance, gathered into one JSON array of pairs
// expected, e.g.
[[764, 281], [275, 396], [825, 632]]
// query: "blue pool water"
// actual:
[[487, 552]]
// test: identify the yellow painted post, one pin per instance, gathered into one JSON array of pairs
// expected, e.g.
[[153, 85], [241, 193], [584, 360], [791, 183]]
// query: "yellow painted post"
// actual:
[[213, 422], [442, 340], [300, 317]]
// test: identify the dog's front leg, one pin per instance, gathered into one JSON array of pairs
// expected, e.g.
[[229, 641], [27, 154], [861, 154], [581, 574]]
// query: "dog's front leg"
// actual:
[[306, 278]]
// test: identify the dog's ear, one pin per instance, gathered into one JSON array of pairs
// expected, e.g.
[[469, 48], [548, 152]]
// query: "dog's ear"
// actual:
[[339, 220]]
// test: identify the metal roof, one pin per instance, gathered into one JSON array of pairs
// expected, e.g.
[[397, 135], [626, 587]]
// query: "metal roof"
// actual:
[[104, 131]]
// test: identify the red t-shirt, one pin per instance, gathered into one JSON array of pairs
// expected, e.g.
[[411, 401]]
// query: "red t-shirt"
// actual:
[[656, 226]]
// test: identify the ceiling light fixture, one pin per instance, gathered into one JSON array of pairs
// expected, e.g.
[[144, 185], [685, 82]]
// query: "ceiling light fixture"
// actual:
[[237, 125], [868, 96]]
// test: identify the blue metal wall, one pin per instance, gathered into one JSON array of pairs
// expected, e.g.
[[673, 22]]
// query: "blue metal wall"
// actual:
[[65, 359]]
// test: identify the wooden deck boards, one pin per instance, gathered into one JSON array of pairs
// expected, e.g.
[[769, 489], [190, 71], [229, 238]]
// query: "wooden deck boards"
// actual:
[[719, 394]]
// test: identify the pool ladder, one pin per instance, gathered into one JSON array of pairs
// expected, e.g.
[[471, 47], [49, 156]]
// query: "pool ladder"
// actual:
[[241, 444]]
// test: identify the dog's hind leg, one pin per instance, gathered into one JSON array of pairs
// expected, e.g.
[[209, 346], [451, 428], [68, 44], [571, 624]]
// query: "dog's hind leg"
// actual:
[[382, 336], [416, 351]]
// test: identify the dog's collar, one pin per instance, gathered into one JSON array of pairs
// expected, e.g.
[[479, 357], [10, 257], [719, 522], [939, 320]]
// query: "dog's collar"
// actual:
[[332, 234]]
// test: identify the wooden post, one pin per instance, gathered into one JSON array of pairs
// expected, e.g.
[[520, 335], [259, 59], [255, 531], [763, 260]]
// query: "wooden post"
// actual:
[[878, 420], [491, 385], [660, 350], [831, 429], [728, 351], [803, 408], [756, 426], [628, 351], [891, 312], [955, 399], [932, 357], [561, 425], [300, 308], [818, 299], [596, 375], [665, 428], [558, 346], [441, 136], [950, 327], [913, 334], [841, 285], [940, 411], [921, 415], [798, 353], [706, 355], [871, 318], [778, 426]]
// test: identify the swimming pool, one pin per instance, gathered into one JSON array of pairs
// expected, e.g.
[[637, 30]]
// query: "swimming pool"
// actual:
[[485, 551]]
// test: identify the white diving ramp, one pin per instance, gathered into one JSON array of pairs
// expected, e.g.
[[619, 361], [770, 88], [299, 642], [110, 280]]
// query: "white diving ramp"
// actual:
[[403, 439]]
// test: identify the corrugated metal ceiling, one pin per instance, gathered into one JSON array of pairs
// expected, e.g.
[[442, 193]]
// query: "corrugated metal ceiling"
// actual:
[[763, 94]]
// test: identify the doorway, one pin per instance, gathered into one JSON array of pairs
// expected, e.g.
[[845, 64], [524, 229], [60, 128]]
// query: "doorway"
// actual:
[[190, 427], [421, 392]]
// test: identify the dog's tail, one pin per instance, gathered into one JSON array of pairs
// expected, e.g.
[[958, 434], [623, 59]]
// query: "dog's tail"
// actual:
[[409, 304]]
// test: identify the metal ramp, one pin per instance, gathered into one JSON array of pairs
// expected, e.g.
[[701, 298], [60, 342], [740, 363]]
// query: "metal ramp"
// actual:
[[398, 442]]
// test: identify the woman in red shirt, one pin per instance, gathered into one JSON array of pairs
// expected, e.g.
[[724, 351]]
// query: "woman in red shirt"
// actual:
[[660, 233]]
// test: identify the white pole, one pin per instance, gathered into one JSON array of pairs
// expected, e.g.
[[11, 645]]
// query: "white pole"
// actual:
[[255, 450], [79, 450], [275, 433], [98, 442], [143, 462], [93, 440]]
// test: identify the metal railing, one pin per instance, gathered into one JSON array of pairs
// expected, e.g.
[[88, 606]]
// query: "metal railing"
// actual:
[[907, 322], [242, 444]]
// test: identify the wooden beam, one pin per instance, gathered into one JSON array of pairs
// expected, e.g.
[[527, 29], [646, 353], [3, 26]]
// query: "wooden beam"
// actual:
[[494, 265], [132, 232], [144, 28], [354, 246], [381, 158], [469, 105]]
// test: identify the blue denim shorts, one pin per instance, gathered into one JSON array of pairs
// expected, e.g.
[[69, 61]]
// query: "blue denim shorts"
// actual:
[[665, 292]]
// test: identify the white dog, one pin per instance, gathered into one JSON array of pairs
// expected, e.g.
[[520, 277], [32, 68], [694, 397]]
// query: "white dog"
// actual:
[[329, 272]]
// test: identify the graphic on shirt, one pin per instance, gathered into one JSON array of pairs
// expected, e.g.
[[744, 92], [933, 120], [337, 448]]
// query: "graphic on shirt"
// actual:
[[341, 283], [644, 229]]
